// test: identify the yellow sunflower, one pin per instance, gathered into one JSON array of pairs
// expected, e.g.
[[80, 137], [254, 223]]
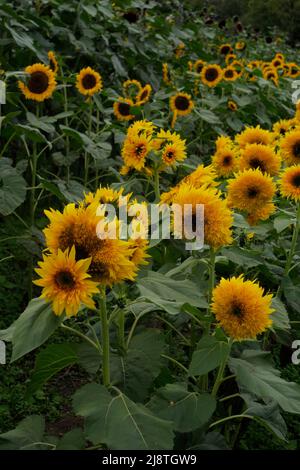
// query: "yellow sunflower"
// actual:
[[289, 183], [240, 46], [280, 128], [241, 308], [225, 49], [122, 109], [230, 58], [230, 74], [141, 127], [232, 105], [277, 63], [53, 64], [271, 74], [166, 76], [181, 103], [88, 81], [225, 161], [262, 213], [223, 141], [294, 70], [40, 84], [173, 148], [297, 114], [254, 135], [144, 95], [211, 75], [290, 147], [260, 156], [217, 216], [250, 190], [81, 227], [198, 65], [65, 282], [131, 88], [135, 149]]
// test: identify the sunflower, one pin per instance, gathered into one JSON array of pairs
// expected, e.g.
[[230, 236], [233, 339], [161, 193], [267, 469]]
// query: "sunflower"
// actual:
[[65, 282], [294, 70], [217, 216], [239, 67], [105, 195], [225, 49], [262, 213], [131, 88], [277, 63], [179, 50], [88, 81], [181, 103], [122, 109], [41, 83], [139, 248], [223, 141], [225, 161], [280, 56], [230, 74], [250, 190], [283, 126], [172, 153], [166, 74], [254, 135], [271, 74], [254, 64], [53, 64], [198, 65], [289, 183], [230, 58], [240, 46], [172, 146], [135, 149], [211, 75], [241, 308], [79, 226], [141, 127], [260, 156], [144, 95], [232, 105], [290, 147]]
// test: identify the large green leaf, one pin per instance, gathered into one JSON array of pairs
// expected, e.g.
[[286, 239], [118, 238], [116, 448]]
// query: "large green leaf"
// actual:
[[267, 415], [255, 374], [170, 295], [119, 423], [135, 372], [12, 190], [280, 315], [50, 361], [188, 410], [209, 354], [28, 434], [33, 327]]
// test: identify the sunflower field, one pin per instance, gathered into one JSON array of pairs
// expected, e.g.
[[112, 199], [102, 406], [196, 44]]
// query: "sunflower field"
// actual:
[[130, 342]]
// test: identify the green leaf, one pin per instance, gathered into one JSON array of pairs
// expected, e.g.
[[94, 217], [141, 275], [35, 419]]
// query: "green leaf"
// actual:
[[282, 222], [208, 116], [267, 415], [242, 257], [40, 123], [170, 295], [33, 327], [255, 373], [209, 354], [280, 316], [88, 357], [72, 191], [135, 372], [12, 190], [188, 410], [119, 423], [27, 434], [49, 362], [72, 440]]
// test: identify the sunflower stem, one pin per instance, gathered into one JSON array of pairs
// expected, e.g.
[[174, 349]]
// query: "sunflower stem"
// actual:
[[67, 125], [86, 155], [212, 275], [294, 243], [105, 340], [121, 330], [156, 185], [219, 378]]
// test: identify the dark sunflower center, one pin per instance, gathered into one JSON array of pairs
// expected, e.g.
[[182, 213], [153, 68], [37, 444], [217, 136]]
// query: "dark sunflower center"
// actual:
[[38, 82], [170, 155], [88, 81], [211, 74], [139, 149], [227, 160], [124, 109], [282, 131], [182, 103], [144, 95], [252, 192], [296, 149], [296, 181], [199, 68], [225, 50], [65, 280], [294, 71], [229, 73], [99, 271], [257, 163], [237, 310]]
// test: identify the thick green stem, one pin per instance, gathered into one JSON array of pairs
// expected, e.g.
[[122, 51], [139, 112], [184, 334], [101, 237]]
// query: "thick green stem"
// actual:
[[86, 155], [212, 275], [156, 185], [105, 341], [294, 243], [219, 378], [121, 329]]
